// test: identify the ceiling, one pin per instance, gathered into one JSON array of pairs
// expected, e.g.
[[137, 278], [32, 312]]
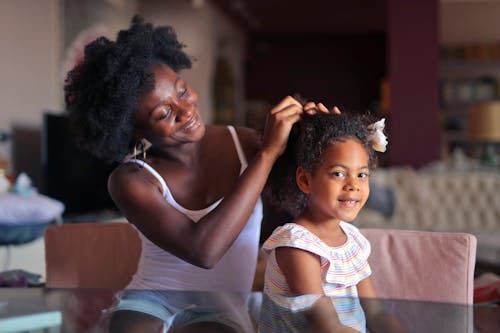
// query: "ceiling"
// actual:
[[289, 17]]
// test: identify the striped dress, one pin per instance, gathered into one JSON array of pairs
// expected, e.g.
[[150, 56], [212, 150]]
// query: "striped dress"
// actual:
[[342, 267]]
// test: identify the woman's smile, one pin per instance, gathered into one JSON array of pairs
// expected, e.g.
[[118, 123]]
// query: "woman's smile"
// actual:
[[193, 124]]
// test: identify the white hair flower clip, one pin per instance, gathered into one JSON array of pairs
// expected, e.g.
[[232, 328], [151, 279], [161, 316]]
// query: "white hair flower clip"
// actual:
[[377, 136]]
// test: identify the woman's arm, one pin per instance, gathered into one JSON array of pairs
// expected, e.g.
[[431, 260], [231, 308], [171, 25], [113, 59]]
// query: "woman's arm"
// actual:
[[205, 242], [303, 276]]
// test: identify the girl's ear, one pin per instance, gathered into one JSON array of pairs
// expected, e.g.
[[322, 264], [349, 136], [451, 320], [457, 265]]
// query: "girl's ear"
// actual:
[[303, 179]]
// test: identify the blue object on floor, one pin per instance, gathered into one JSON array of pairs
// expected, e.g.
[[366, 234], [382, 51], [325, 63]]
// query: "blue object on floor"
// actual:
[[20, 234]]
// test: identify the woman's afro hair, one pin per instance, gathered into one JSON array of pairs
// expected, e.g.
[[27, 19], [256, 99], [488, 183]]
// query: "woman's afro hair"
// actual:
[[306, 143], [102, 93]]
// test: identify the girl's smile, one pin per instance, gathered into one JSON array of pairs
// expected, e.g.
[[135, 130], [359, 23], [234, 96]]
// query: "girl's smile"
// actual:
[[339, 187]]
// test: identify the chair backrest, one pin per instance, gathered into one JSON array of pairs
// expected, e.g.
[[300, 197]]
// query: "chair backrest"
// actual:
[[91, 255], [422, 265]]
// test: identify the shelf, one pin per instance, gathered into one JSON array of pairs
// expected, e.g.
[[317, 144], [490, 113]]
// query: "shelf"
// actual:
[[470, 62], [465, 83], [461, 69], [454, 136]]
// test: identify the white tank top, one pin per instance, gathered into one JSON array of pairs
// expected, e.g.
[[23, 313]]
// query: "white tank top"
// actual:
[[159, 270]]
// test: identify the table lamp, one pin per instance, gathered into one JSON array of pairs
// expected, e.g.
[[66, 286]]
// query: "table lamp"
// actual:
[[484, 127]]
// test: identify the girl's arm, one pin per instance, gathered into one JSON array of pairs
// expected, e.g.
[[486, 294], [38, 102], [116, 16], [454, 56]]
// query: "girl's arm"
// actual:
[[303, 276], [377, 319]]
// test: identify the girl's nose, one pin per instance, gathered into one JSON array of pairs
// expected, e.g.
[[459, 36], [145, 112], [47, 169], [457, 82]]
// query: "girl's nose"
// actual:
[[351, 185]]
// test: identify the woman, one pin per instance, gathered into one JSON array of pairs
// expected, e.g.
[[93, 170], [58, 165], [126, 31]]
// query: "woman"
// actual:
[[194, 195]]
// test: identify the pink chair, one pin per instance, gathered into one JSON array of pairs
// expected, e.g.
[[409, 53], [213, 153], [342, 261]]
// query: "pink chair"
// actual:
[[91, 255], [425, 278], [423, 265]]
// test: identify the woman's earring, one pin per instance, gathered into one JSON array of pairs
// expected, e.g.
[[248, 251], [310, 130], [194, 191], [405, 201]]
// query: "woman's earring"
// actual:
[[143, 147], [140, 147]]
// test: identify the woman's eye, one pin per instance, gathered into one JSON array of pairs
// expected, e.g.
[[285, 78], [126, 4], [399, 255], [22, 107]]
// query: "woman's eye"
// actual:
[[163, 113], [182, 93]]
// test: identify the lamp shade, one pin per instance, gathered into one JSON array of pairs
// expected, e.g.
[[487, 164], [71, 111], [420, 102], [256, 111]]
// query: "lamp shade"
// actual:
[[484, 122]]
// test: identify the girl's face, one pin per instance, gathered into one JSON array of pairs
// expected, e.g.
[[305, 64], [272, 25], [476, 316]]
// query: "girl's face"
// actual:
[[339, 188], [169, 114]]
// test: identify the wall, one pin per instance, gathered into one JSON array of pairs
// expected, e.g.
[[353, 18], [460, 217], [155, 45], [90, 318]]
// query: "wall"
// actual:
[[29, 62], [338, 71], [413, 68], [469, 21]]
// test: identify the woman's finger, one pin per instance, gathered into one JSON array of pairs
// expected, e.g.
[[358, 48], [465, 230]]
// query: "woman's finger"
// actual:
[[309, 105], [336, 110], [323, 108], [312, 108], [284, 103]]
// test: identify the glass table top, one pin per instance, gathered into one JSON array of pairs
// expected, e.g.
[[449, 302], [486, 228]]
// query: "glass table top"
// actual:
[[96, 311]]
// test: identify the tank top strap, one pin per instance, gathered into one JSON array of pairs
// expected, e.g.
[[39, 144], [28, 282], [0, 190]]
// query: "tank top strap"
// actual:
[[239, 149], [165, 190]]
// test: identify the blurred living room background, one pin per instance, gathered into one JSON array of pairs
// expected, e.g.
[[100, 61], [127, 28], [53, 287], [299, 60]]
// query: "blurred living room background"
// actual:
[[430, 67]]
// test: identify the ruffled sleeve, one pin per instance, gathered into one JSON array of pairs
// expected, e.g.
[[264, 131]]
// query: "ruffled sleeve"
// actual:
[[349, 262], [294, 235], [344, 265]]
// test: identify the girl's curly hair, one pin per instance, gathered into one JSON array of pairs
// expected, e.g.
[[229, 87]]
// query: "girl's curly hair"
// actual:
[[306, 143], [102, 93]]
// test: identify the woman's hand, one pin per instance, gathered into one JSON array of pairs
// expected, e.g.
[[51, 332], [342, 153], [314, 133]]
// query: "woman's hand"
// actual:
[[279, 122], [313, 108]]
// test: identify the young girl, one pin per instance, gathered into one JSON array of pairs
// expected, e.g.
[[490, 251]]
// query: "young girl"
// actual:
[[322, 179]]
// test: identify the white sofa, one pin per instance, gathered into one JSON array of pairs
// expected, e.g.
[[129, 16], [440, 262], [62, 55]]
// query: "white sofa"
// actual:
[[438, 199]]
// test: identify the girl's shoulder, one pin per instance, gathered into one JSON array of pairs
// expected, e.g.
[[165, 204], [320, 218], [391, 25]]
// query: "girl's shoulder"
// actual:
[[355, 236], [297, 236]]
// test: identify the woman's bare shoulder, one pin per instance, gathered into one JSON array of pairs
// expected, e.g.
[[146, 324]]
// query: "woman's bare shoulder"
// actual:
[[250, 140], [129, 175], [125, 169]]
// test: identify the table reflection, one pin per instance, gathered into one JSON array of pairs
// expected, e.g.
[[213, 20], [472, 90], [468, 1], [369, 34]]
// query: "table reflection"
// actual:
[[309, 313], [96, 311], [183, 311]]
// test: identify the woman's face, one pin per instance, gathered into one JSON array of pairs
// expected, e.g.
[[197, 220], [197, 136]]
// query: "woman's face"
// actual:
[[339, 187], [169, 114]]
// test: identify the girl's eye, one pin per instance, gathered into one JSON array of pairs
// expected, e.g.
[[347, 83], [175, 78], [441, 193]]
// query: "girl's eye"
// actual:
[[338, 174], [363, 175]]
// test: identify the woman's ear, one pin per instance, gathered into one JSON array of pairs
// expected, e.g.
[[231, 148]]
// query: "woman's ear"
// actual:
[[303, 179], [138, 134]]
